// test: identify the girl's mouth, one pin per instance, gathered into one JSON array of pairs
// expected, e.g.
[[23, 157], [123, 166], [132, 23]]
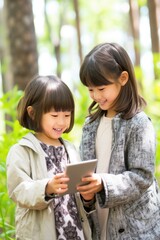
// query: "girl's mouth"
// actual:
[[102, 103], [58, 130]]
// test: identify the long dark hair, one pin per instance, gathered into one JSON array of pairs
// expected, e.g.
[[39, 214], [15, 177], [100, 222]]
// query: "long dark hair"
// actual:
[[108, 61]]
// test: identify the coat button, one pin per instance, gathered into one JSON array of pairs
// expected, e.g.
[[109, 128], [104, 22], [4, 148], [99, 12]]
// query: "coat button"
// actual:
[[121, 230], [82, 220]]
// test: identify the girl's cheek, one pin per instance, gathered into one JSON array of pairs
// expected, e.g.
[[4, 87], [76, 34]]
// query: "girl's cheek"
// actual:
[[91, 95]]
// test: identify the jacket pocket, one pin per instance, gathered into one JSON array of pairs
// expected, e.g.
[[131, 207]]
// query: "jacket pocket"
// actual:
[[26, 224]]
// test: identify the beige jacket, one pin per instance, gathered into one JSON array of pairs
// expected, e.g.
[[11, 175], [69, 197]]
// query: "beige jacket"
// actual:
[[26, 181]]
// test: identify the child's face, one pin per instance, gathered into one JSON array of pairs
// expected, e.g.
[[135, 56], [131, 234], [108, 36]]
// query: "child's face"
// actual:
[[54, 124], [105, 96]]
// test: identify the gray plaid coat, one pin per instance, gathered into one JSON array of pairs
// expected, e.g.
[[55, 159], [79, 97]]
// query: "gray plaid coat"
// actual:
[[130, 189]]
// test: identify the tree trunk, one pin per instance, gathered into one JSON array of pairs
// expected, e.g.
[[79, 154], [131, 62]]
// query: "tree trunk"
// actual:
[[153, 18], [22, 42], [153, 7], [76, 7], [134, 18]]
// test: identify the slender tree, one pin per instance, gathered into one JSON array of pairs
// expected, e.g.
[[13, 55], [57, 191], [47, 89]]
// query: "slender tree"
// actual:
[[153, 7], [154, 25], [76, 7], [135, 22]]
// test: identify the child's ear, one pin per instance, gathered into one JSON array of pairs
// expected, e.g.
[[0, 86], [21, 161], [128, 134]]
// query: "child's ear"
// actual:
[[30, 111], [123, 78]]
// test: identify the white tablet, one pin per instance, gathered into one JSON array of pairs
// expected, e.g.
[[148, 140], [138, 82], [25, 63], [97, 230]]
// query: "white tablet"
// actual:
[[75, 171]]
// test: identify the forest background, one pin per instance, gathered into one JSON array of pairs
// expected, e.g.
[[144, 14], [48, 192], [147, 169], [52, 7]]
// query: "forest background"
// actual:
[[52, 37]]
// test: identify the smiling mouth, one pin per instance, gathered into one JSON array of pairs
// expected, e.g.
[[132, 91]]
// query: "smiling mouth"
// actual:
[[59, 130], [102, 103]]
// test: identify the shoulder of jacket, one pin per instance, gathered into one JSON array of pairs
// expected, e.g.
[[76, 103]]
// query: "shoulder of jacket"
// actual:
[[139, 122], [30, 142], [140, 118], [15, 150]]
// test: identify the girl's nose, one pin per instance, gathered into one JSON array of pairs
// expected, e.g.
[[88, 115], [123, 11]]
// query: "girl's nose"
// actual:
[[96, 95], [61, 121]]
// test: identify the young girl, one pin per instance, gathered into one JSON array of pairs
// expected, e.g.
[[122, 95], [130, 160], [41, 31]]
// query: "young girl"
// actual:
[[120, 135], [35, 166]]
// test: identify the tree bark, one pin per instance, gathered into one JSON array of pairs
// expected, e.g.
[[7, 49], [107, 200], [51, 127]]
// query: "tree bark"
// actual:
[[76, 7], [134, 19], [22, 42], [153, 18], [153, 7]]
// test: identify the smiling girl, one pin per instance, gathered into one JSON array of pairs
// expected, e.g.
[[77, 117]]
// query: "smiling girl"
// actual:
[[121, 136], [36, 164]]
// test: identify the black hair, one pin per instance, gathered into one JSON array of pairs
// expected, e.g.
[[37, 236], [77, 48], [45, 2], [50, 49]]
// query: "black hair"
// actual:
[[44, 93], [107, 61]]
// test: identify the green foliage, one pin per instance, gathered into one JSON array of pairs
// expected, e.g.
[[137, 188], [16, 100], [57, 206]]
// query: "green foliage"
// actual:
[[142, 3], [156, 60], [7, 139], [9, 102]]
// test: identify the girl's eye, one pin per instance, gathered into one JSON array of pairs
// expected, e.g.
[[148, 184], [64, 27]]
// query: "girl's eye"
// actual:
[[101, 89], [90, 90], [67, 115]]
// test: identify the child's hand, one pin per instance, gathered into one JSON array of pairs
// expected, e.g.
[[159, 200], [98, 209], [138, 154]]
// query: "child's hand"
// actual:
[[94, 186], [58, 184]]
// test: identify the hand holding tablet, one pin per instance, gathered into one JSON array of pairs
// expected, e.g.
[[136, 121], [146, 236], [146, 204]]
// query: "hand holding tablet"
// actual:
[[75, 172]]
